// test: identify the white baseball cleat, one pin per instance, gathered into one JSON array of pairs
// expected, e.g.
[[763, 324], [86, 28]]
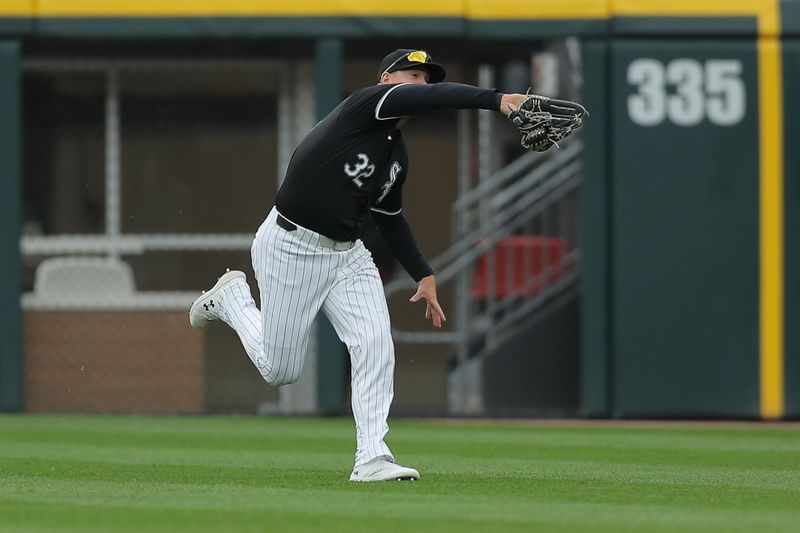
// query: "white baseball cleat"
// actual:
[[379, 469], [209, 305]]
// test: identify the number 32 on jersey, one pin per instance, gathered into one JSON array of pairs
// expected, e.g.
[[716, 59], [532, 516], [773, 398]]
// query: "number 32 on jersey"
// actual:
[[359, 171]]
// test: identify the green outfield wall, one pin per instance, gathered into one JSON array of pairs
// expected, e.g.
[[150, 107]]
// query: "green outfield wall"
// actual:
[[791, 223], [692, 191], [690, 204], [595, 235], [332, 354], [10, 218], [684, 227]]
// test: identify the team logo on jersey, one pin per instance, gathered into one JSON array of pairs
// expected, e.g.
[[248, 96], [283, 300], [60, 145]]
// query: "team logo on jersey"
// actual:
[[393, 173], [359, 171]]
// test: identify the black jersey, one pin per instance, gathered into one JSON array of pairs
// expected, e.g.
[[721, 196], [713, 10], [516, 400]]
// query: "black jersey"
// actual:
[[355, 159]]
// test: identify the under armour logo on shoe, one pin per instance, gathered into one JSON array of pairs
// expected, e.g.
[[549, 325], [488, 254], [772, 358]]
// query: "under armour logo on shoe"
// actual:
[[209, 304]]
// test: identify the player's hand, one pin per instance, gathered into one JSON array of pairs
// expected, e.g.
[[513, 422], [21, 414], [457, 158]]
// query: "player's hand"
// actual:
[[511, 101], [427, 291]]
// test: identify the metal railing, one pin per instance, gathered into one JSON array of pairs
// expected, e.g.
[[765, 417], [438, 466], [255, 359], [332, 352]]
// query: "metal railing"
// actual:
[[514, 246], [109, 81]]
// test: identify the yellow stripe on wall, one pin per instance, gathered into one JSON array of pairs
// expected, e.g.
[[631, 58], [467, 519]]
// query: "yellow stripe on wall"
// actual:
[[537, 9], [468, 9], [190, 8], [17, 8], [771, 221]]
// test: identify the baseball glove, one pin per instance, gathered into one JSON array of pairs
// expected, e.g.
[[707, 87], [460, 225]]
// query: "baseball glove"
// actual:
[[543, 121]]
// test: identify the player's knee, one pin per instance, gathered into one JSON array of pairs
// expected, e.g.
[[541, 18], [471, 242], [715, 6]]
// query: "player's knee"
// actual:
[[286, 363], [281, 378], [286, 371]]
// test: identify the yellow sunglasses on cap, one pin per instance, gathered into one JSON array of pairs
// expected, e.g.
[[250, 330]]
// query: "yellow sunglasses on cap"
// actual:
[[417, 56]]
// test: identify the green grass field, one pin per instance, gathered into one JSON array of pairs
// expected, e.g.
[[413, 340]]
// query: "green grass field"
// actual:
[[286, 474]]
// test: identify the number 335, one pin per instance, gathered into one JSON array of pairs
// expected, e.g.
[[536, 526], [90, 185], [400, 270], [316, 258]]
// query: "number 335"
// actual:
[[713, 89]]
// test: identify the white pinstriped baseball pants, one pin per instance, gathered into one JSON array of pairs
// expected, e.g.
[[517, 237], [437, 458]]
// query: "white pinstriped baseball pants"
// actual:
[[296, 278]]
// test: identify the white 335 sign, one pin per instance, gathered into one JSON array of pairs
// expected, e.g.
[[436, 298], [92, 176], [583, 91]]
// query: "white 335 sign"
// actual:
[[713, 89]]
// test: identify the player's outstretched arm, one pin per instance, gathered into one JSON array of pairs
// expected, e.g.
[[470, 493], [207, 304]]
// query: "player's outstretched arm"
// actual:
[[427, 291], [408, 99]]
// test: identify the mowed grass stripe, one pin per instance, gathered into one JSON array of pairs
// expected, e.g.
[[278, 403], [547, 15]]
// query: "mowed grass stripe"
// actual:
[[650, 487], [88, 519], [419, 512], [398, 500], [256, 473], [258, 430], [538, 469], [323, 428], [645, 447]]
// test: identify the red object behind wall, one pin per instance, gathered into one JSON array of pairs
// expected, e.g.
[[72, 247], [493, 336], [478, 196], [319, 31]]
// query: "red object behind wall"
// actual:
[[519, 266]]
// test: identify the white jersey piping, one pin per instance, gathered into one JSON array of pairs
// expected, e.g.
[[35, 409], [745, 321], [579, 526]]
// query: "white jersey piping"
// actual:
[[380, 103]]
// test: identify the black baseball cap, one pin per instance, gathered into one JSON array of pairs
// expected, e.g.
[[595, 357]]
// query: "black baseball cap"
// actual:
[[409, 58]]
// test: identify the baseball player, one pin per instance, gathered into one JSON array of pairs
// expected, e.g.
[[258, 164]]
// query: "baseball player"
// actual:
[[307, 258]]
